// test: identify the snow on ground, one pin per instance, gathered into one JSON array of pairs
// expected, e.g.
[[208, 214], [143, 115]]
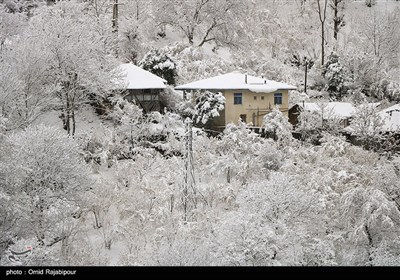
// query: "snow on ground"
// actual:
[[86, 120], [223, 52]]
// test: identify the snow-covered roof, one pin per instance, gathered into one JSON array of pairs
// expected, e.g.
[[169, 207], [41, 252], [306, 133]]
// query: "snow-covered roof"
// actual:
[[135, 77], [342, 110], [236, 80], [391, 117]]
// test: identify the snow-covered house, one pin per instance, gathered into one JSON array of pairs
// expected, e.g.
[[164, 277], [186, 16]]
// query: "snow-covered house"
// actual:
[[247, 97], [391, 117], [342, 111], [142, 87]]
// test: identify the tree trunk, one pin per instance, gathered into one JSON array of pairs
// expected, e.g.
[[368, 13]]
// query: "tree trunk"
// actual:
[[322, 19], [73, 122], [40, 218], [335, 20], [68, 114], [305, 76], [190, 38], [323, 43]]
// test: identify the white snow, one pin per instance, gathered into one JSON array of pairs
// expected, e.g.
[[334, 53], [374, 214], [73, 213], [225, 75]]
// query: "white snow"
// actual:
[[391, 118], [236, 80], [138, 78], [342, 110]]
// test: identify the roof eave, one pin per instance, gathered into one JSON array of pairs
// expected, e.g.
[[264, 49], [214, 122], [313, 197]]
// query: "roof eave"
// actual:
[[209, 88]]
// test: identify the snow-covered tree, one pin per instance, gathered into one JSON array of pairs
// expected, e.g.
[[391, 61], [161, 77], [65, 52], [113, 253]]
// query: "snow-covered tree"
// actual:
[[159, 63], [77, 58], [338, 16], [367, 124], [370, 3], [201, 21], [3, 124], [322, 5], [10, 26], [45, 177], [26, 87], [207, 106], [380, 37], [336, 77], [310, 123], [278, 125], [269, 227]]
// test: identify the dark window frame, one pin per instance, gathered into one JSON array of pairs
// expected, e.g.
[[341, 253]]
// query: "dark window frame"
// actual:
[[278, 98], [238, 98]]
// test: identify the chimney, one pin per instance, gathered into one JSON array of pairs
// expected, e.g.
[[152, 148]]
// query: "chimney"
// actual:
[[245, 78]]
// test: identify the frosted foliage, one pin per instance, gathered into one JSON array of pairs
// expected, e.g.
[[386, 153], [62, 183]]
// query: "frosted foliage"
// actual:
[[202, 21], [238, 149], [3, 125], [208, 106], [71, 58], [45, 177], [264, 237], [161, 64], [193, 63], [255, 201], [277, 124], [371, 219], [367, 123]]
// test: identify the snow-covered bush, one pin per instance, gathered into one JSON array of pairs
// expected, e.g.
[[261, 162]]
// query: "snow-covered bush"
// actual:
[[277, 125], [266, 229], [367, 125], [243, 155], [310, 123]]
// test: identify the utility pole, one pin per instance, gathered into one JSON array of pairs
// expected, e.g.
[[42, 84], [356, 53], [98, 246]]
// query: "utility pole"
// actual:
[[189, 195]]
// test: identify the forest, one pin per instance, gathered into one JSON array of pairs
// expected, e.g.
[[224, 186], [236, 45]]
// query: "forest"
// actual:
[[88, 178]]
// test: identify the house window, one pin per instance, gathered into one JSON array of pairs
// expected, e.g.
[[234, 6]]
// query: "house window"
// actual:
[[243, 118], [255, 97], [237, 98], [278, 98], [262, 97]]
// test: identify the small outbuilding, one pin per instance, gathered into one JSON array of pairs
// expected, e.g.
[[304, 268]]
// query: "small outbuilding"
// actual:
[[142, 87]]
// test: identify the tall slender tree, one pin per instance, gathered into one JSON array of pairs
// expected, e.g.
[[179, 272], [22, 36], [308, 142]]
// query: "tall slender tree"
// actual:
[[322, 7]]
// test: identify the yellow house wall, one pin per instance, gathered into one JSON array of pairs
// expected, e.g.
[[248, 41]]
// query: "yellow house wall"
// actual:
[[250, 105]]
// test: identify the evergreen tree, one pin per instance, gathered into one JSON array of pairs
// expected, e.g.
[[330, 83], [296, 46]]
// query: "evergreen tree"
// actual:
[[336, 77], [160, 64]]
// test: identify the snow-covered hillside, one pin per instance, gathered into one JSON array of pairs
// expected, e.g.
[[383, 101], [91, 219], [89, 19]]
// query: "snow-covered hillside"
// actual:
[[87, 178]]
